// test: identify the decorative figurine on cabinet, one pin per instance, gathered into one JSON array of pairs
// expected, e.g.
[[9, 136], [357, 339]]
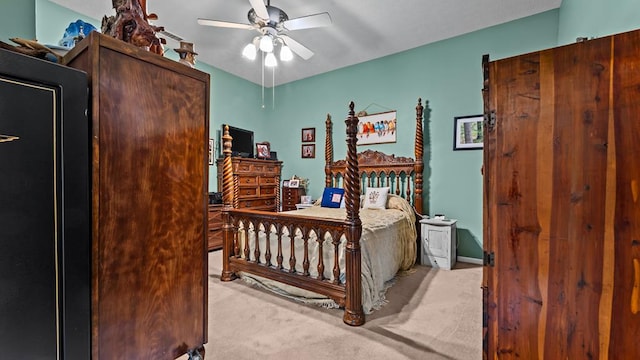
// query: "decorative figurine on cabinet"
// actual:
[[187, 55]]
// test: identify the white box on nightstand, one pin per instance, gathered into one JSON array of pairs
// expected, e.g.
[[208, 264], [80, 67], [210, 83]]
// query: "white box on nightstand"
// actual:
[[439, 242]]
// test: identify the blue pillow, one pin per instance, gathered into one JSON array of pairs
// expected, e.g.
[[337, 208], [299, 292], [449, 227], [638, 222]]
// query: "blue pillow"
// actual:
[[331, 197]]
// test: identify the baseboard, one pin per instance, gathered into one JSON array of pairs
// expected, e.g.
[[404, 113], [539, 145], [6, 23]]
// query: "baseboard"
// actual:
[[469, 260]]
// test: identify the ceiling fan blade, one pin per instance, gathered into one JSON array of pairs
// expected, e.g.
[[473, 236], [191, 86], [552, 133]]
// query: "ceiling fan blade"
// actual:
[[307, 22], [297, 48], [224, 24], [260, 8]]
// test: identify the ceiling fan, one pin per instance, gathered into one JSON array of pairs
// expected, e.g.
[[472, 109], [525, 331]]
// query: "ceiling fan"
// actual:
[[272, 23]]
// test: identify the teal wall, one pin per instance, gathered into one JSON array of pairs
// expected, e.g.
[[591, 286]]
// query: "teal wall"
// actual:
[[596, 18], [230, 95], [17, 20], [448, 75]]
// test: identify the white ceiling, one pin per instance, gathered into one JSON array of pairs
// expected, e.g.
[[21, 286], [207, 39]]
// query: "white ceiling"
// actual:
[[362, 30]]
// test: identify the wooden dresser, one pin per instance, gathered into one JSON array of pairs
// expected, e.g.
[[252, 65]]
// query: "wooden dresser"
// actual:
[[149, 130], [214, 237], [255, 183], [291, 197]]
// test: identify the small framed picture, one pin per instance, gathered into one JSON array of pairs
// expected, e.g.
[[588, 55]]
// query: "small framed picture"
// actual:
[[263, 151], [309, 135], [308, 151], [467, 132], [294, 183], [285, 183]]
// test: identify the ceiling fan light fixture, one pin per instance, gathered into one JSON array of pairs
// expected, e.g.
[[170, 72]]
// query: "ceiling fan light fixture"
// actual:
[[266, 44], [249, 52], [270, 60], [285, 53]]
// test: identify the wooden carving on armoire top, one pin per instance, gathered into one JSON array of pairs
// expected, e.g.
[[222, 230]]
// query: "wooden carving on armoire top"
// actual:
[[561, 207], [149, 131]]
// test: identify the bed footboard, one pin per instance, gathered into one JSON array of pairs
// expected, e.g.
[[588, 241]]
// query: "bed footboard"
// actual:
[[300, 251]]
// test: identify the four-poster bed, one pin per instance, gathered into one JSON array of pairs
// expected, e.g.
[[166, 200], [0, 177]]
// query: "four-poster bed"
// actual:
[[257, 243]]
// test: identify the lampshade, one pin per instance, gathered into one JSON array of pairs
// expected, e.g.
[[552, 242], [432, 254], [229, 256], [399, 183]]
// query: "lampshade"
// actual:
[[285, 53], [270, 60], [266, 44], [249, 52]]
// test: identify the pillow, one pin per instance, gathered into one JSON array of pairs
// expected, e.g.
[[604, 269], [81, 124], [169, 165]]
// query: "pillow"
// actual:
[[375, 198], [331, 197]]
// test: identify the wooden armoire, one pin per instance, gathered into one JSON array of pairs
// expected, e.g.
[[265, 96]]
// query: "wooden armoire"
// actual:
[[561, 202], [149, 128]]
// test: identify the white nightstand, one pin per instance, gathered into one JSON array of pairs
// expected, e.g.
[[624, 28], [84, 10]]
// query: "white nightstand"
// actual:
[[439, 243], [303, 206]]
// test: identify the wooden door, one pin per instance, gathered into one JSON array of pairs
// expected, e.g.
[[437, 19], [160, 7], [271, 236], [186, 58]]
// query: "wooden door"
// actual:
[[561, 202]]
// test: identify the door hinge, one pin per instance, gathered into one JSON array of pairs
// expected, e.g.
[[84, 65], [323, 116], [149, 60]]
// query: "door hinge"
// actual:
[[490, 120], [489, 259]]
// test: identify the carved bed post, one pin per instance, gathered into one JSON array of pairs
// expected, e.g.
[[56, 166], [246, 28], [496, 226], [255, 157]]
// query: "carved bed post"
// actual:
[[353, 313], [227, 200], [419, 152], [328, 152]]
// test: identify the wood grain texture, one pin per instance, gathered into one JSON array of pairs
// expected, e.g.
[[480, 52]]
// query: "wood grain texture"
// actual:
[[150, 146], [559, 172]]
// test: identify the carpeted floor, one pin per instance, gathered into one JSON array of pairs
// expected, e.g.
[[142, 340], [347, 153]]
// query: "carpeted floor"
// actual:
[[431, 314]]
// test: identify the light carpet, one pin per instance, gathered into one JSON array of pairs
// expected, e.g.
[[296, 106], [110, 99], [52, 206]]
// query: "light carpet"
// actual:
[[430, 314]]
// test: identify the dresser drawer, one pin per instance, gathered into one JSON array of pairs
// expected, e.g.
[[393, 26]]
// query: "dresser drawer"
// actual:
[[215, 217], [267, 191], [245, 192], [268, 180], [243, 167], [256, 203], [247, 181]]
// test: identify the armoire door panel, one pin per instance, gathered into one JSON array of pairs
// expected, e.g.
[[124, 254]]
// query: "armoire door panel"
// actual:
[[560, 193]]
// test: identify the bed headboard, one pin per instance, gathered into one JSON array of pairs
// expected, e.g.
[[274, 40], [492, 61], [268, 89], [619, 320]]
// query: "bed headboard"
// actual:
[[403, 175]]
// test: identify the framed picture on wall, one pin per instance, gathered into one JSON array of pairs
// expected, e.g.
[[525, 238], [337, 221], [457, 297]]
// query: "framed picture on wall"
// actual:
[[309, 135], [308, 151], [377, 128], [467, 132]]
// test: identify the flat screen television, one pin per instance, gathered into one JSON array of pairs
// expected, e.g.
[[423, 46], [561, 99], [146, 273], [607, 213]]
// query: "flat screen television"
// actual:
[[242, 144]]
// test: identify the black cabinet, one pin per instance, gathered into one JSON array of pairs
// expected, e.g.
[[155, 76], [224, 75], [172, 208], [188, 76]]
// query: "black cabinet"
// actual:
[[45, 212]]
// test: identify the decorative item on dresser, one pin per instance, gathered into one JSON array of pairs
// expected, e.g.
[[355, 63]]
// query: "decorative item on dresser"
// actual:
[[309, 259], [291, 197], [255, 183], [149, 169], [561, 213]]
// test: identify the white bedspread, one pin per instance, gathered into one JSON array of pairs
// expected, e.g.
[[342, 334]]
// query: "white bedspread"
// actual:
[[388, 245]]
